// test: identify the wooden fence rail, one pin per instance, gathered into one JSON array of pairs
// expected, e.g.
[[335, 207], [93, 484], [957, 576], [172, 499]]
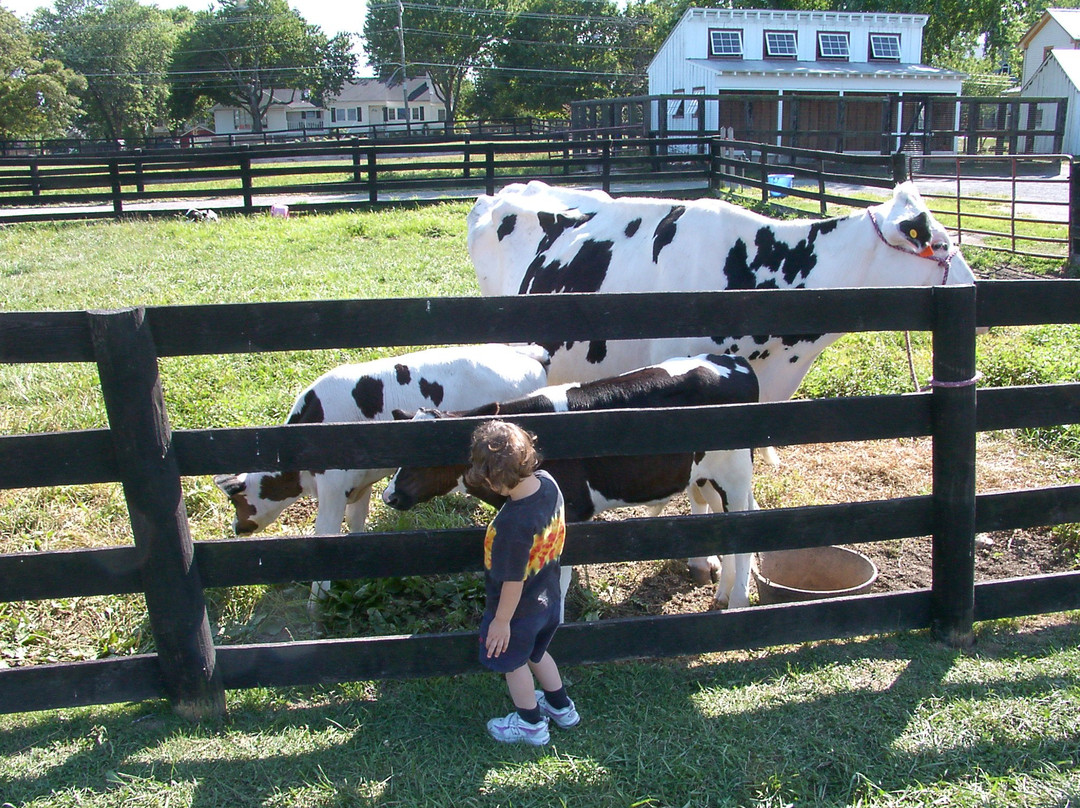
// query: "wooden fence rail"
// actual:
[[142, 452]]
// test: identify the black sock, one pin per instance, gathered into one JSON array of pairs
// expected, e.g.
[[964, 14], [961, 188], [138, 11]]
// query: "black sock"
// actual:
[[533, 716], [557, 698]]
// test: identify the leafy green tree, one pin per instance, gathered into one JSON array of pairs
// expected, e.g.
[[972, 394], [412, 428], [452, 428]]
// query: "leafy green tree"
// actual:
[[246, 50], [442, 38], [38, 97], [554, 52], [122, 48]]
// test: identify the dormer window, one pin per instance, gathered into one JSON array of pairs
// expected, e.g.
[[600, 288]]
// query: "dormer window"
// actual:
[[725, 43], [833, 45], [780, 45], [885, 47]]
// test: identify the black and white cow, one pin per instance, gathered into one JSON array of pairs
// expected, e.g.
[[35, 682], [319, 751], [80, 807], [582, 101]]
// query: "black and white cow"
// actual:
[[718, 481], [455, 378], [534, 239]]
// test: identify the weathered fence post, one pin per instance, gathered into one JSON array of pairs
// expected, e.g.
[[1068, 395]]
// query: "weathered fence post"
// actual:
[[953, 587], [142, 439]]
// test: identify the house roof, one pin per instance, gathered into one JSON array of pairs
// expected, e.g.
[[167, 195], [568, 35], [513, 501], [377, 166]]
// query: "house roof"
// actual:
[[764, 67], [289, 99], [1067, 18], [373, 91]]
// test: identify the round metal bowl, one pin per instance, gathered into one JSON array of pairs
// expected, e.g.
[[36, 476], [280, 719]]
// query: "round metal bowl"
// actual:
[[785, 576]]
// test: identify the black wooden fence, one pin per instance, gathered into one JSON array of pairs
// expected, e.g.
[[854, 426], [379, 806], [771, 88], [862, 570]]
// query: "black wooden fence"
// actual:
[[140, 450], [335, 175]]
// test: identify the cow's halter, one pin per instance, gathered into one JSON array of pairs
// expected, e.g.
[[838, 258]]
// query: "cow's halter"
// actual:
[[944, 263]]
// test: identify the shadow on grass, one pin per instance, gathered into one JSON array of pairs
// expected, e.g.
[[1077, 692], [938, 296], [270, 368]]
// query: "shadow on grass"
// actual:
[[828, 723]]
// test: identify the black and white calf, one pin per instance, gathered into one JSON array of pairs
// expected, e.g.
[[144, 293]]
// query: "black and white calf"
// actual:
[[536, 239], [455, 378], [716, 481]]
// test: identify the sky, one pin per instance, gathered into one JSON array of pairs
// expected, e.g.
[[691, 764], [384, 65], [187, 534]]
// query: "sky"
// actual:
[[333, 16]]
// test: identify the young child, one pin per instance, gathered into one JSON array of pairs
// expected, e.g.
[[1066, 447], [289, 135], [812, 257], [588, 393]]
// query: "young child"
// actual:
[[521, 562]]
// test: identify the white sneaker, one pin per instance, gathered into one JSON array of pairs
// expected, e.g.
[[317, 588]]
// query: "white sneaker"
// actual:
[[565, 718], [515, 729]]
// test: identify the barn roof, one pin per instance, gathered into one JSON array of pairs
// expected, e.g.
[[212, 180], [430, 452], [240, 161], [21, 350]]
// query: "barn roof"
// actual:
[[1067, 18], [765, 67]]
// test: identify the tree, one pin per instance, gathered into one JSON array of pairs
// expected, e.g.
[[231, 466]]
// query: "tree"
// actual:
[[38, 97], [442, 39], [242, 53], [122, 48], [555, 52]]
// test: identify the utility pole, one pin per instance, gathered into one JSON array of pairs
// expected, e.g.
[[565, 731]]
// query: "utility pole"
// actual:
[[404, 74]]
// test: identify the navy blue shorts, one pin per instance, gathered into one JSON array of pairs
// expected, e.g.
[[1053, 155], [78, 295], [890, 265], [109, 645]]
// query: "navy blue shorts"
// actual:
[[529, 640]]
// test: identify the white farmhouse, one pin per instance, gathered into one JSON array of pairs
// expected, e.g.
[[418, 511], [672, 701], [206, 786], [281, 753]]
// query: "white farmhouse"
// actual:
[[1052, 70], [289, 111], [367, 103], [811, 70], [363, 107]]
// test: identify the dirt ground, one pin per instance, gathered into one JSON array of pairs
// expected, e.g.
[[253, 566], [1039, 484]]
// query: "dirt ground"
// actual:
[[849, 472]]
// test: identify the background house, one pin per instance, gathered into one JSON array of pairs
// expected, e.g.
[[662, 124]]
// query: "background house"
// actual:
[[289, 111], [370, 102], [364, 106], [1052, 69], [802, 76]]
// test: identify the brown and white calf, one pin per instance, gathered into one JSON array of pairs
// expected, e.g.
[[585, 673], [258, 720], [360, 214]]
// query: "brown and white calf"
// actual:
[[455, 378], [716, 481]]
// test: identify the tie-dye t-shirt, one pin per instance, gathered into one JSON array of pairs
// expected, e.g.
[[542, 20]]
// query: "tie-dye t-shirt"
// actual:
[[523, 543]]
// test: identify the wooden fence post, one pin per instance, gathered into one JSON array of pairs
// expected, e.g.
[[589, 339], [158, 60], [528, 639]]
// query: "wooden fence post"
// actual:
[[35, 178], [245, 181], [901, 167], [355, 146], [372, 175], [764, 160], [953, 565], [142, 439], [114, 178], [489, 170], [605, 165], [1074, 217]]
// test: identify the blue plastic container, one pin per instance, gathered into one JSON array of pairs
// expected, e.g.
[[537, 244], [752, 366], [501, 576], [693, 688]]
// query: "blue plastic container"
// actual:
[[785, 180]]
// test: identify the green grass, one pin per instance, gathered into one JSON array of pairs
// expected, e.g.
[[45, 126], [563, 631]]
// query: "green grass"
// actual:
[[886, 721]]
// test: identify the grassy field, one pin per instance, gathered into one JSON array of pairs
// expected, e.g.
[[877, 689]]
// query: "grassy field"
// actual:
[[879, 721]]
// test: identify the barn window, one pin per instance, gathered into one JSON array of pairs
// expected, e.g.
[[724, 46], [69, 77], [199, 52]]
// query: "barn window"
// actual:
[[885, 47], [780, 44], [725, 43], [833, 45]]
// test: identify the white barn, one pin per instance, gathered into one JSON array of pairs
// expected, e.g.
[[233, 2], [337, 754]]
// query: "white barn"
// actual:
[[788, 53], [1057, 29], [1057, 76], [1052, 70]]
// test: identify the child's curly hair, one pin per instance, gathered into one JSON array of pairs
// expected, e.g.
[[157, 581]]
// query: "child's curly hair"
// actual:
[[501, 456]]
